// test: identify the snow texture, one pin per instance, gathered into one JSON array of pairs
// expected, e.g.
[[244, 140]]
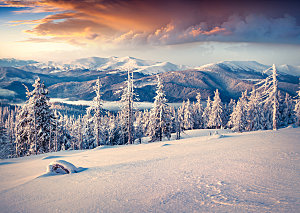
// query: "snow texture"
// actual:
[[238, 172]]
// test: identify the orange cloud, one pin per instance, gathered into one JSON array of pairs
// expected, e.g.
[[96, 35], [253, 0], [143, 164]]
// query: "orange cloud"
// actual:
[[153, 22]]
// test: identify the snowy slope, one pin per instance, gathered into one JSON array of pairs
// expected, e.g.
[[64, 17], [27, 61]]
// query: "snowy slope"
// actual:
[[235, 66], [290, 70], [11, 62], [248, 66], [111, 63], [249, 172]]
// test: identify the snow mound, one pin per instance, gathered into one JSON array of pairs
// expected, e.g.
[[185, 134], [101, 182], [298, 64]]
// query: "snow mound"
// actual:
[[61, 167], [104, 147], [216, 136]]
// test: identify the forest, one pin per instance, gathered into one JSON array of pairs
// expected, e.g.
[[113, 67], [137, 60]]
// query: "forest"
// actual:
[[36, 127]]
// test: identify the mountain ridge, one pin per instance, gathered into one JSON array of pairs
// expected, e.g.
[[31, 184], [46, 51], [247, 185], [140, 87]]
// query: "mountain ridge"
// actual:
[[230, 77], [147, 67]]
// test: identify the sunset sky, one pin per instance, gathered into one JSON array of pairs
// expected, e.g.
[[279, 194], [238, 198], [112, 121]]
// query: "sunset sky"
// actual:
[[183, 32]]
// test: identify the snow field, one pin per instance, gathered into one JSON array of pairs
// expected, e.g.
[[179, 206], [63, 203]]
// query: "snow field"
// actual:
[[248, 172]]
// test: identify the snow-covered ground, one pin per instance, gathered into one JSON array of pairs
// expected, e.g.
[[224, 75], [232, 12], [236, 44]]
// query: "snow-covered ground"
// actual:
[[233, 172]]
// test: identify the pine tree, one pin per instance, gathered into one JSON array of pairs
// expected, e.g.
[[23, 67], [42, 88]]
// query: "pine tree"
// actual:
[[297, 109], [35, 122], [254, 113], [268, 92], [138, 126], [229, 109], [126, 114], [160, 119], [6, 149], [63, 132], [198, 112], [96, 109], [188, 122], [180, 115], [206, 112], [216, 115], [287, 114], [238, 118]]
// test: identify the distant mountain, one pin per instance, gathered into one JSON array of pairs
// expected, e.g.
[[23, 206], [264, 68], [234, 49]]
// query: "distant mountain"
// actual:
[[76, 80], [11, 62], [104, 64], [249, 66]]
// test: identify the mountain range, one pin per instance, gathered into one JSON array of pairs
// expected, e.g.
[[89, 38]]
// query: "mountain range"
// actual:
[[75, 80]]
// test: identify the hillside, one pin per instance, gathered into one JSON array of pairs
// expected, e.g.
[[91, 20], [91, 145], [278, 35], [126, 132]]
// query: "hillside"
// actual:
[[249, 172], [76, 82]]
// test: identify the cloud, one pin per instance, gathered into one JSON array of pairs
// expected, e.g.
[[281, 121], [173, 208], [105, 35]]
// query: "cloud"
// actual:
[[252, 28], [135, 22]]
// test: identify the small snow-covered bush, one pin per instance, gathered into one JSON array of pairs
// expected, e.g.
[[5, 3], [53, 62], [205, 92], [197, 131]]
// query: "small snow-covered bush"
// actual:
[[61, 167]]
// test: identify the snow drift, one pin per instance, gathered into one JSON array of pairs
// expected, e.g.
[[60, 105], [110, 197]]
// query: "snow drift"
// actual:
[[248, 172]]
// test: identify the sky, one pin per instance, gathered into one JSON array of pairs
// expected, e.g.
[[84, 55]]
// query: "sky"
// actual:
[[186, 32]]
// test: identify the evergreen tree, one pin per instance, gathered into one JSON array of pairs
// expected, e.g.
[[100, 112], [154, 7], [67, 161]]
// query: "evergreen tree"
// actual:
[[297, 109], [268, 92], [287, 114], [206, 112], [216, 115], [253, 113], [63, 132], [188, 122], [198, 112], [138, 126], [6, 149], [229, 109], [96, 109], [160, 119], [35, 122], [238, 118], [126, 114]]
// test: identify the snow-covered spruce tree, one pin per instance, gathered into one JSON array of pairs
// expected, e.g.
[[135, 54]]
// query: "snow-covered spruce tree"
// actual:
[[138, 126], [206, 112], [160, 118], [96, 109], [63, 132], [78, 133], [238, 118], [35, 122], [254, 112], [287, 114], [228, 111], [216, 115], [146, 121], [6, 149], [180, 115], [10, 127], [173, 119], [115, 136], [188, 122], [89, 141], [268, 91], [177, 122], [297, 109], [126, 113], [198, 112]]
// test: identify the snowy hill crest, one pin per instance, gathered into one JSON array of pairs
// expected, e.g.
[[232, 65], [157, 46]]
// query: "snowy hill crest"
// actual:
[[105, 64], [249, 66]]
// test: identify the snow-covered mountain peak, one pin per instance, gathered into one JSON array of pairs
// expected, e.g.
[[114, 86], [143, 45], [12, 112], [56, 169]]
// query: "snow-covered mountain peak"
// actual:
[[104, 64], [12, 62], [234, 66]]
